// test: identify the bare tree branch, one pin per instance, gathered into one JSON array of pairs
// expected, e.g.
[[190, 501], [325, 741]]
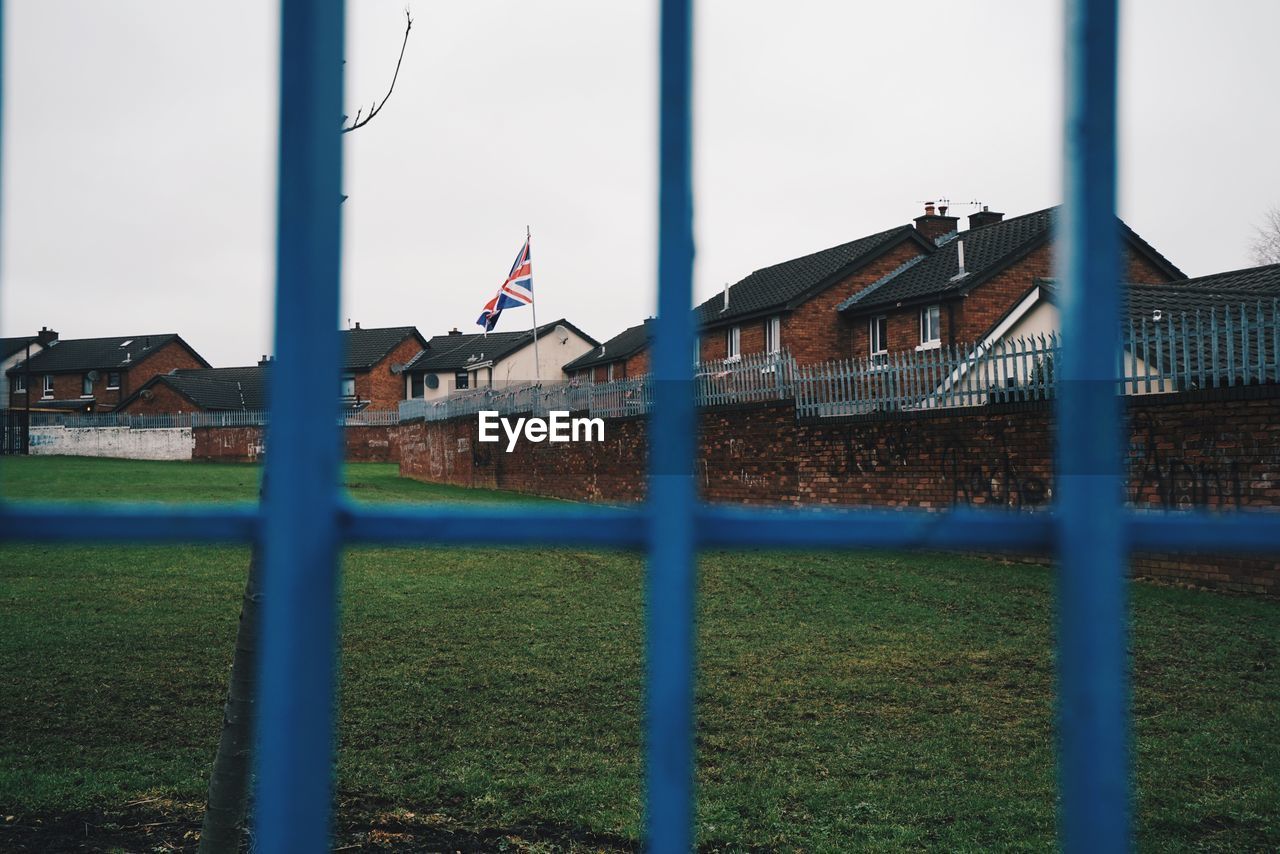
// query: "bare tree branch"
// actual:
[[376, 107], [1266, 241]]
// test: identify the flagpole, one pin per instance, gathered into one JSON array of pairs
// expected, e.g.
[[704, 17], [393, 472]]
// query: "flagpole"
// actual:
[[533, 304]]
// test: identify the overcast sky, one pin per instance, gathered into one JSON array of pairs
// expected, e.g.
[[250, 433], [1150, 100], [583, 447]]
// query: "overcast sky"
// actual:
[[139, 148]]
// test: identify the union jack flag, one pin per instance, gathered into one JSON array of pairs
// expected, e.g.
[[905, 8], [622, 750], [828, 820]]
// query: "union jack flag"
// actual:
[[516, 291]]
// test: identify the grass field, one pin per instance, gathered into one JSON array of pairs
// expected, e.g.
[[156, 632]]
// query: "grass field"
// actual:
[[846, 701]]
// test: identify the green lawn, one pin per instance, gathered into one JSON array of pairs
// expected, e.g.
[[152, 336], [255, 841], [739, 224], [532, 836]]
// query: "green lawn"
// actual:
[[845, 701]]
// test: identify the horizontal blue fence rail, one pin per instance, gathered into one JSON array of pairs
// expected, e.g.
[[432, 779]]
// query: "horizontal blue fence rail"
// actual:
[[303, 520]]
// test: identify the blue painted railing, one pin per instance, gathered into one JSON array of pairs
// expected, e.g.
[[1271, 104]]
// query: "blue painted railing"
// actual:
[[303, 519]]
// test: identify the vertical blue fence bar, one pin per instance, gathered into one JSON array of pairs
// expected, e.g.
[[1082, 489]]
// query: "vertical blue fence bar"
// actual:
[[671, 572], [299, 625], [1092, 667]]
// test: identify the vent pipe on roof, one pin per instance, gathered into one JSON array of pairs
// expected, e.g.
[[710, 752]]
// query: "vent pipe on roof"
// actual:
[[726, 298], [960, 271]]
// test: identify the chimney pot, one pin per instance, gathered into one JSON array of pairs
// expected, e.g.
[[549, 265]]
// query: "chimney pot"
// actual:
[[933, 224]]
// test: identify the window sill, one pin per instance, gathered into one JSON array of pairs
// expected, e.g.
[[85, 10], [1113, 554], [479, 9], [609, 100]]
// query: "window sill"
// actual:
[[733, 359], [929, 345]]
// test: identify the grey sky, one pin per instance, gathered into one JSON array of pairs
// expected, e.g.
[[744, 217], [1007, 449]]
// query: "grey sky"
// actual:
[[139, 160]]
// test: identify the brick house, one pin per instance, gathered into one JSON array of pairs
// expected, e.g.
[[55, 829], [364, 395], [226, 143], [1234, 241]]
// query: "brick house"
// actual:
[[201, 390], [957, 291], [96, 374], [457, 361], [374, 361], [792, 305], [624, 355], [16, 350]]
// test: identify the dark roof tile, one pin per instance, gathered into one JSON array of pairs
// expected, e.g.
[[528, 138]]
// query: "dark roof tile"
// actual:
[[782, 285], [626, 343], [86, 354]]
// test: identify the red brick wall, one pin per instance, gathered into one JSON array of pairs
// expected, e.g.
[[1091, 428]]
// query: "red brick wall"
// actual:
[[967, 319], [1215, 450], [68, 386], [163, 400], [378, 385], [245, 444], [814, 331]]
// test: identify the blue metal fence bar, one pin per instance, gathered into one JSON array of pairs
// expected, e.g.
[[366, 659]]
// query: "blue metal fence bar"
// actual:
[[1092, 668], [670, 584], [300, 502]]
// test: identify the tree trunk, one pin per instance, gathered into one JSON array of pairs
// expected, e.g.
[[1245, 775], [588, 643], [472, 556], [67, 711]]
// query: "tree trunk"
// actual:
[[224, 820]]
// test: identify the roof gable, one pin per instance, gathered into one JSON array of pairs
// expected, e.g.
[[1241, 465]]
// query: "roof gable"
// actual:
[[115, 353], [786, 285], [988, 250], [364, 348], [626, 343], [214, 389], [445, 353]]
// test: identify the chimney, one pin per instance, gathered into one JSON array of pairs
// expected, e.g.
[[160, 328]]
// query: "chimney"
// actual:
[[357, 324], [46, 336], [454, 331], [264, 361], [934, 224], [984, 217]]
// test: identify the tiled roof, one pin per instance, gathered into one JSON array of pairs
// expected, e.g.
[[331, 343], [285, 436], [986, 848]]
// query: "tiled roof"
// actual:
[[626, 343], [10, 346], [449, 353], [988, 250], [1204, 293], [215, 389], [784, 285], [364, 348], [86, 354]]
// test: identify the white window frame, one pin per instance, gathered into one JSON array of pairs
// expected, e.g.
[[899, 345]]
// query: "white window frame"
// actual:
[[930, 329], [351, 379], [773, 335], [86, 385], [611, 364], [110, 374], [878, 338], [19, 383], [733, 344], [47, 388]]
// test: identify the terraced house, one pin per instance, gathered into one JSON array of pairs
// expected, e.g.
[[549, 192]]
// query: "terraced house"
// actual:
[[96, 374], [201, 390]]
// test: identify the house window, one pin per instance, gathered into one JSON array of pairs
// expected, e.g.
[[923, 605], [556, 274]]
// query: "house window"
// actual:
[[611, 364], [773, 335], [733, 342], [20, 382], [930, 326], [86, 386], [348, 385], [113, 379], [48, 385], [417, 385], [878, 334], [461, 380]]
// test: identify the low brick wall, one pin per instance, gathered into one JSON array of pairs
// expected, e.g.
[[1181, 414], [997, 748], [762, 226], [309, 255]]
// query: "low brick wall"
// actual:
[[1217, 449], [245, 444]]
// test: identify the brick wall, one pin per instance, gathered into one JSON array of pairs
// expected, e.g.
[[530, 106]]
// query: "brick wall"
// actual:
[[968, 318], [1210, 449], [814, 330], [163, 400], [384, 389], [245, 444]]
